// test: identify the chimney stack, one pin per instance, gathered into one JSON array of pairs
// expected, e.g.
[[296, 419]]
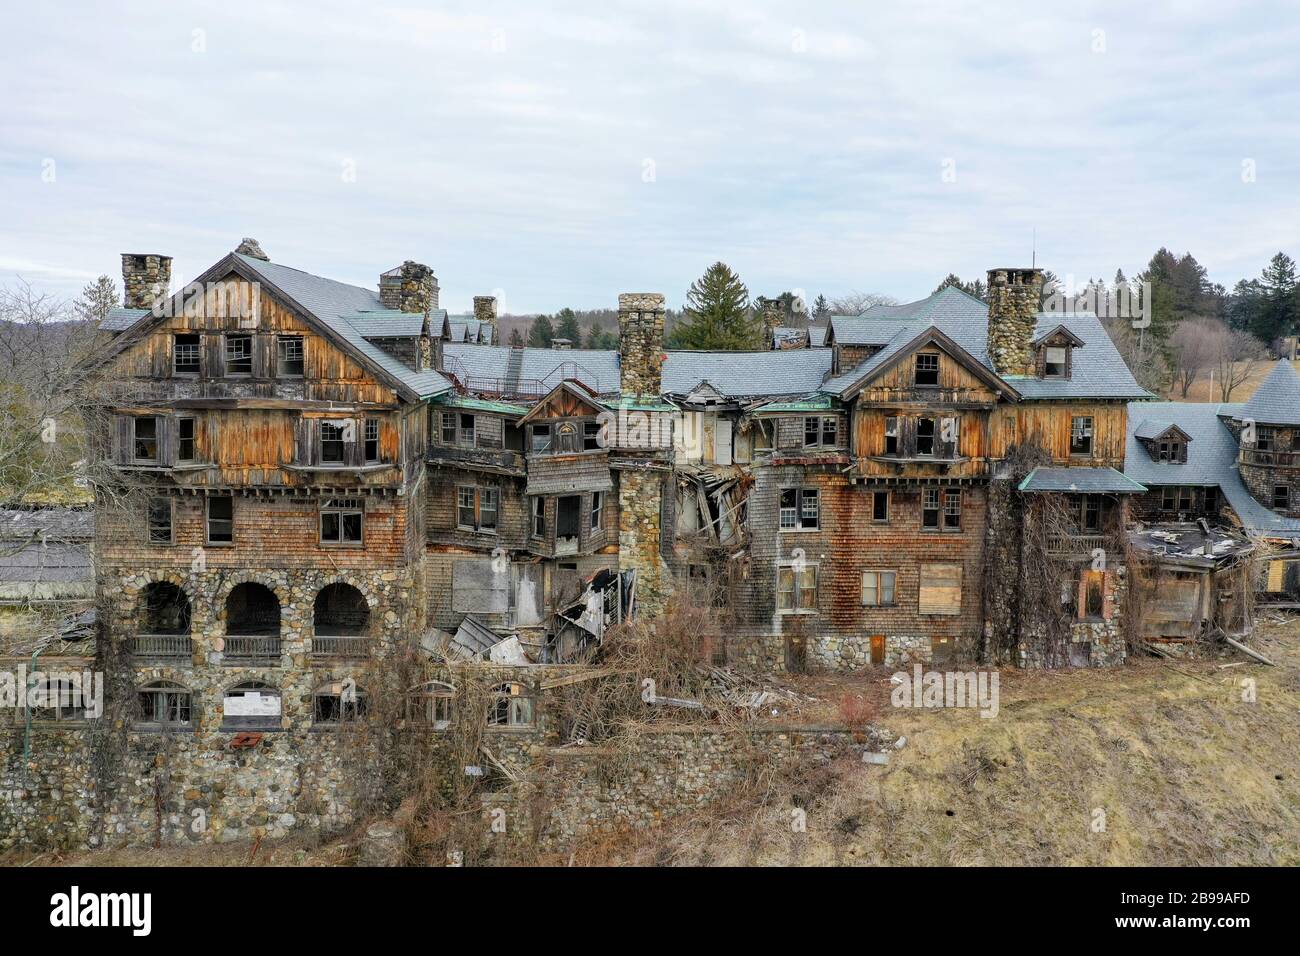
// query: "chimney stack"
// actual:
[[1014, 300], [146, 279], [410, 287], [252, 248], [485, 310], [773, 316], [641, 343]]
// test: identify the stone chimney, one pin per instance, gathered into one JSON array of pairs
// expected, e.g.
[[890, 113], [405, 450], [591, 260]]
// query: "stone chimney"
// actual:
[[1014, 299], [485, 310], [251, 248], [773, 316], [641, 342], [146, 279], [410, 287]]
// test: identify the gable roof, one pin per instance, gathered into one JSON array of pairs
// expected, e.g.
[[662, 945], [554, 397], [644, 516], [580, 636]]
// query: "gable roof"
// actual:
[[1080, 481], [746, 374], [1211, 460], [1150, 429], [1277, 400], [1045, 332], [543, 368], [1098, 370], [899, 348], [570, 386]]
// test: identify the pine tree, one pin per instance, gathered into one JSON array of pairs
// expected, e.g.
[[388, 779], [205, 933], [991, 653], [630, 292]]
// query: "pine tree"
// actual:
[[97, 299], [541, 332], [717, 314], [566, 326], [952, 279], [821, 308], [1280, 305], [516, 340]]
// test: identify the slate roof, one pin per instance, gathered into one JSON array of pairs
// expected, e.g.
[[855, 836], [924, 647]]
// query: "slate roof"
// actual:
[[747, 374], [45, 546], [1097, 371], [391, 323], [1152, 428], [1081, 481], [119, 320], [786, 333], [330, 301], [1211, 460], [466, 328], [1277, 400]]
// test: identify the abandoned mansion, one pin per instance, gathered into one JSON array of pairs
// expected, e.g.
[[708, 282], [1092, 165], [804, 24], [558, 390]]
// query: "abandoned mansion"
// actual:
[[312, 475]]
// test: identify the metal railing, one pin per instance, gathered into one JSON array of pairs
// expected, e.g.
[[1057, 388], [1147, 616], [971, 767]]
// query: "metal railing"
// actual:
[[161, 646], [252, 648], [348, 646]]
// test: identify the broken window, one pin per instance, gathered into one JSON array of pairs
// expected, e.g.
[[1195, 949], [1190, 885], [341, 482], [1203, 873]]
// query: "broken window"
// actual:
[[1093, 596], [1264, 438], [590, 436], [144, 439], [820, 431], [927, 370], [925, 437], [940, 589], [891, 435], [58, 699], [1186, 497], [796, 589], [1174, 451], [1054, 361], [449, 428], [539, 517], [333, 442], [1081, 435], [799, 509], [340, 610], [1090, 512], [952, 509], [930, 508], [239, 355], [251, 705], [476, 508], [1211, 505], [511, 706], [878, 588], [185, 355], [160, 521], [165, 704], [185, 444], [1281, 497], [372, 440], [338, 702], [466, 429], [540, 438], [1169, 498], [342, 521], [221, 519], [252, 609], [166, 609], [597, 507], [288, 355], [430, 703], [880, 506]]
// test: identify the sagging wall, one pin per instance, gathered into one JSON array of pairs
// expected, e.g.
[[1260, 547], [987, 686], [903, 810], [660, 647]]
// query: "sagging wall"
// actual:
[[839, 635]]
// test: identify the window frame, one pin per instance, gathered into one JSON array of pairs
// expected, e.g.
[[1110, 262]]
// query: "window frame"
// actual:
[[519, 710], [879, 589], [197, 345], [876, 498], [151, 505], [339, 425], [537, 517], [932, 505], [259, 722], [597, 523], [370, 436], [799, 588], [155, 439], [440, 695], [1048, 363], [799, 510], [182, 439], [349, 712], [892, 435], [476, 506], [1286, 493], [226, 340], [951, 511], [933, 436], [1081, 434], [917, 370], [165, 688], [208, 519], [281, 341], [342, 508]]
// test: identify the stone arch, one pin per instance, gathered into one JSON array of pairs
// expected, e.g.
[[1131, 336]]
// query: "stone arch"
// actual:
[[341, 610], [252, 609], [165, 608]]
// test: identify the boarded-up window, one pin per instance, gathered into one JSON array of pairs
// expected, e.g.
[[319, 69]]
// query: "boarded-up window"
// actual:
[[940, 589], [1276, 577]]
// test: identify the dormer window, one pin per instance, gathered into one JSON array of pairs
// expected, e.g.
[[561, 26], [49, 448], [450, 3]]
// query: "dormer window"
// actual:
[[1171, 450], [927, 370], [1055, 361], [1054, 350]]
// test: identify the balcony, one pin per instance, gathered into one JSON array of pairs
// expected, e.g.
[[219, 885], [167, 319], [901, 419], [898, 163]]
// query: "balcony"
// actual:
[[243, 649], [161, 647], [1075, 545], [1270, 459], [340, 647]]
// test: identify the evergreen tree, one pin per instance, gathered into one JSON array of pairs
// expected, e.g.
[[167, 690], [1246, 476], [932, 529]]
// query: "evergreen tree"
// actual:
[[541, 332], [717, 314], [516, 340], [952, 279], [566, 326], [97, 299], [1280, 306], [821, 308]]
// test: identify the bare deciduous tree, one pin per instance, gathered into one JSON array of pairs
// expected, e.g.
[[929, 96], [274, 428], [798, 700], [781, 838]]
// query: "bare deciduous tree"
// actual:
[[855, 303], [1240, 354], [1194, 348]]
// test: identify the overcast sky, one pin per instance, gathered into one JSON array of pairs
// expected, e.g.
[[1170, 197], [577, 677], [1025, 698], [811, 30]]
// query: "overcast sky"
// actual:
[[562, 153]]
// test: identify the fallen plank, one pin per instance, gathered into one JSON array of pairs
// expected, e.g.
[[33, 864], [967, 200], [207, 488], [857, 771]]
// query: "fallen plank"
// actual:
[[1246, 650]]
